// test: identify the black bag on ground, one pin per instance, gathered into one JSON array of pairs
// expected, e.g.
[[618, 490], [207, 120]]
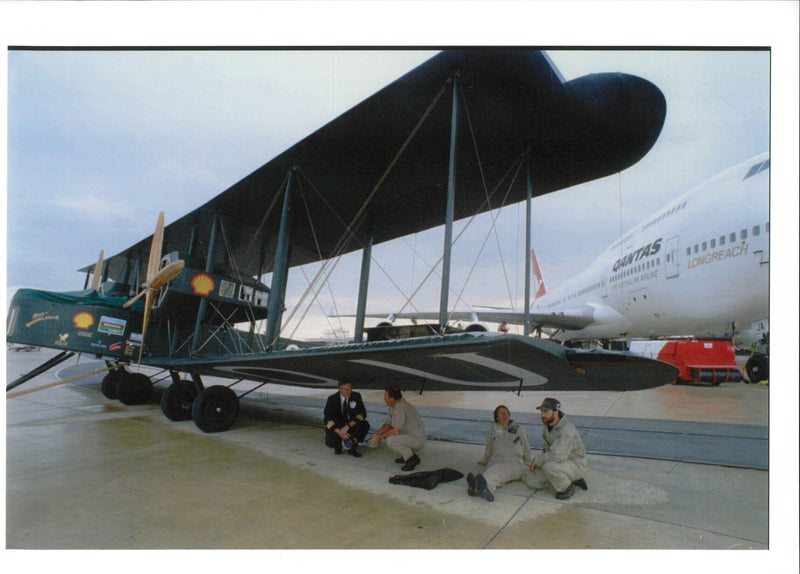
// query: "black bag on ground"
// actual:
[[427, 479]]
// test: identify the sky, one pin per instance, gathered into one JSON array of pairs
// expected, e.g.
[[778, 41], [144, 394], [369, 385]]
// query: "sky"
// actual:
[[98, 143], [101, 141]]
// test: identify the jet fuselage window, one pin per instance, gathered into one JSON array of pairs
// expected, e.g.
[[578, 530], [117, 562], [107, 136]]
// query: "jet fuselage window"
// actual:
[[743, 234], [766, 226], [704, 246], [756, 231], [721, 240], [696, 248], [713, 243], [732, 237]]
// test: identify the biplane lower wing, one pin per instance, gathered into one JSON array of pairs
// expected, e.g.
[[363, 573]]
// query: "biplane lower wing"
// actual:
[[470, 361]]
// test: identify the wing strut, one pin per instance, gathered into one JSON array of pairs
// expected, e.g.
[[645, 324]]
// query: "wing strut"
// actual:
[[280, 270], [366, 257], [201, 310], [448, 228], [528, 224]]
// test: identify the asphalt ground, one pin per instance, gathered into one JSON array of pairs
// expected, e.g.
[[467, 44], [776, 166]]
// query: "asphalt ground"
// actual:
[[84, 472]]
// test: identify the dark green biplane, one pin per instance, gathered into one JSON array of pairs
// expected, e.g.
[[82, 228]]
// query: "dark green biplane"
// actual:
[[463, 133]]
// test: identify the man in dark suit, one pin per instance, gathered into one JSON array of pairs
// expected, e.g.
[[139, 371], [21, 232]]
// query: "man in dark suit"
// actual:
[[345, 420]]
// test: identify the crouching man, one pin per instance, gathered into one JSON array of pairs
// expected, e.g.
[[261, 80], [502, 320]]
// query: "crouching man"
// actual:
[[403, 430], [345, 420], [562, 463]]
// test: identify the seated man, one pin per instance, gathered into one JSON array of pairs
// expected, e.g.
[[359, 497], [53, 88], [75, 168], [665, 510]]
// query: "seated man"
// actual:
[[507, 454], [403, 429], [345, 420], [563, 460]]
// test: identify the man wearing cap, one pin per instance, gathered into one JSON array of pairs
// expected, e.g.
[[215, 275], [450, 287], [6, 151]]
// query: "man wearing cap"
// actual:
[[562, 463], [403, 430], [345, 420]]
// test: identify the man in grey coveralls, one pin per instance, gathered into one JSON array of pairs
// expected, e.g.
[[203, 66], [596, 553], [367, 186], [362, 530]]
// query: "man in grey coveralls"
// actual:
[[563, 459], [507, 454], [403, 430]]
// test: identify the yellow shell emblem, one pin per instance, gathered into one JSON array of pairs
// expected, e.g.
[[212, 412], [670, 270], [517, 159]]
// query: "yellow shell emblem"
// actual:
[[83, 320], [202, 284]]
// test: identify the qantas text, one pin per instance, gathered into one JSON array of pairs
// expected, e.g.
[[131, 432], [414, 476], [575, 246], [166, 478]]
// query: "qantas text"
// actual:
[[645, 251]]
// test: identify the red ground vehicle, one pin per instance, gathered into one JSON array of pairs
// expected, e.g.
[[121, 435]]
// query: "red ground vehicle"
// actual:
[[711, 362]]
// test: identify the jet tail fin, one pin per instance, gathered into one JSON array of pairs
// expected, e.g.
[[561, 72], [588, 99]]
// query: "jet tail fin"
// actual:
[[539, 286]]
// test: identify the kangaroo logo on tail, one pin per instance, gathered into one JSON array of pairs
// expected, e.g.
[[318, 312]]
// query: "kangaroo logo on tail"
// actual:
[[539, 287]]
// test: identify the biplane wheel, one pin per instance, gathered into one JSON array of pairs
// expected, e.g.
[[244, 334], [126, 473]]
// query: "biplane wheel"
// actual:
[[177, 401], [215, 409], [110, 385], [134, 389]]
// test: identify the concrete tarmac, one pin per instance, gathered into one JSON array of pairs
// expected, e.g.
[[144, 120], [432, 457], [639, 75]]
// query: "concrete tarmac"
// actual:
[[86, 472]]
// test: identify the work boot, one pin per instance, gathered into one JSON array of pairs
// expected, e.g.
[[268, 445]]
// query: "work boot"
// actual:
[[483, 488], [399, 460], [471, 487], [567, 492], [411, 463], [582, 483]]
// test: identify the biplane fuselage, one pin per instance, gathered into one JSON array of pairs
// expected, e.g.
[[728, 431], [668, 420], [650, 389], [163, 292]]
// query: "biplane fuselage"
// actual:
[[466, 132]]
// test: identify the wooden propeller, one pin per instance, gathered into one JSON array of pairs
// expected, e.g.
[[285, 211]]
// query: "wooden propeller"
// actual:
[[155, 279], [98, 271]]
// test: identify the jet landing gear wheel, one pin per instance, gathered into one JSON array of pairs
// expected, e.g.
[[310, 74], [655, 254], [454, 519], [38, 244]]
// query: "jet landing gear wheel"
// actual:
[[757, 368], [215, 409], [177, 401], [134, 389]]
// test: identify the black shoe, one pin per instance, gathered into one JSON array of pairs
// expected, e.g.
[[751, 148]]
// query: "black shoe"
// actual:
[[337, 450], [483, 488], [399, 460], [471, 487], [411, 463], [566, 493], [582, 483], [354, 452]]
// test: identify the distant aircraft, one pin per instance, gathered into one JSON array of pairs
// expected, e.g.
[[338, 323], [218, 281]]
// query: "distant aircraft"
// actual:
[[384, 169], [699, 266]]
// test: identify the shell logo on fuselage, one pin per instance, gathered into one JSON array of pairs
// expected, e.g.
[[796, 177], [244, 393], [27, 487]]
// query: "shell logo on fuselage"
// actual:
[[83, 320], [202, 284], [645, 251]]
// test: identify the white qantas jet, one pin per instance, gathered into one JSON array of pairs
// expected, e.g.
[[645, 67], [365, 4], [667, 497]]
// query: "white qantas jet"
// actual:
[[698, 266]]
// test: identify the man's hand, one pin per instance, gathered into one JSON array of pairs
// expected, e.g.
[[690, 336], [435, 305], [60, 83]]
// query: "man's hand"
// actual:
[[375, 440], [343, 433]]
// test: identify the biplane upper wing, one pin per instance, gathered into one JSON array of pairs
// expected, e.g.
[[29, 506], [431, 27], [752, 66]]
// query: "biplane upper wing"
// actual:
[[386, 160]]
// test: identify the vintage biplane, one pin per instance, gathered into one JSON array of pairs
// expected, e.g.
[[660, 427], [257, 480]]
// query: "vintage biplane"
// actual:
[[465, 132]]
